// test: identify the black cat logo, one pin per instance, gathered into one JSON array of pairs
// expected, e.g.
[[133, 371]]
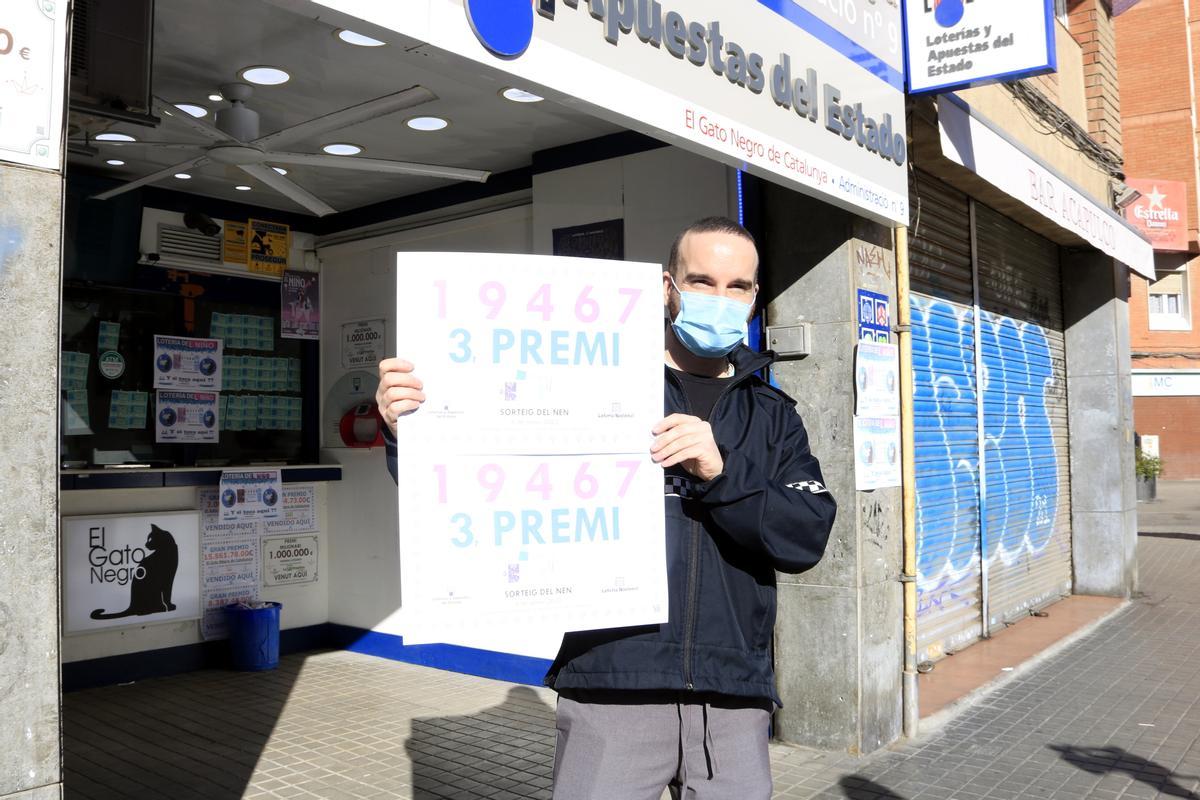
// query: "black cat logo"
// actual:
[[150, 591]]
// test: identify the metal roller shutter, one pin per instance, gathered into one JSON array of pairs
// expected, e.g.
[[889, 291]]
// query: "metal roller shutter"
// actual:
[[945, 421], [1026, 508]]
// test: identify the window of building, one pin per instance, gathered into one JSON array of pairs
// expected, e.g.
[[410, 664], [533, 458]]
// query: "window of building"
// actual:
[[1168, 302]]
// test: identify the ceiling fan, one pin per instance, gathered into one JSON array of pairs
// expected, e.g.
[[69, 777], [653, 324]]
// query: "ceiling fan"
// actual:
[[236, 142]]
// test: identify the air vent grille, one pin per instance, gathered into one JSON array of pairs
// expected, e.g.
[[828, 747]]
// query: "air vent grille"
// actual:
[[187, 243], [80, 40]]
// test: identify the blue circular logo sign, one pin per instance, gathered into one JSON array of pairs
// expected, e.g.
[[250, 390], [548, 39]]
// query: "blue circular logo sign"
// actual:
[[948, 13], [504, 27], [229, 498]]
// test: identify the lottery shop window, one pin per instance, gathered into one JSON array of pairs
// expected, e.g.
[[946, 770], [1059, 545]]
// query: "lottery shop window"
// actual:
[[267, 401]]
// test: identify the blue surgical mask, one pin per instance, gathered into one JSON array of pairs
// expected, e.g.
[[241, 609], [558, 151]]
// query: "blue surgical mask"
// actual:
[[709, 325]]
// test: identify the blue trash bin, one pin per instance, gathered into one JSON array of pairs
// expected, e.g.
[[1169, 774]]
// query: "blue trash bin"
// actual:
[[254, 636]]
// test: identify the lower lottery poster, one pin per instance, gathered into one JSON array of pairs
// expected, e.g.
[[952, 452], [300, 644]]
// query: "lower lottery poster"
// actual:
[[229, 562], [528, 501]]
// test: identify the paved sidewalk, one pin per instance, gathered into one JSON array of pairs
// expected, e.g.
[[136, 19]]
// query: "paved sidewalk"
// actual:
[[1115, 715]]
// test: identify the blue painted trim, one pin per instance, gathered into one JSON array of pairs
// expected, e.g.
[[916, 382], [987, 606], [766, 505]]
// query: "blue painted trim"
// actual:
[[741, 199], [812, 24], [985, 80], [215, 655], [467, 660]]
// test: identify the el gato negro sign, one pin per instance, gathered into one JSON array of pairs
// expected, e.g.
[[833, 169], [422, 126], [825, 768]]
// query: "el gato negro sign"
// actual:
[[130, 570], [505, 28], [958, 43]]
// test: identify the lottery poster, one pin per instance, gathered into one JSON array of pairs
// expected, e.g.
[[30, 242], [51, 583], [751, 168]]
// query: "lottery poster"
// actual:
[[298, 512], [877, 380], [876, 452], [300, 306], [528, 501], [229, 564], [289, 560], [566, 350], [250, 495], [190, 417], [182, 363]]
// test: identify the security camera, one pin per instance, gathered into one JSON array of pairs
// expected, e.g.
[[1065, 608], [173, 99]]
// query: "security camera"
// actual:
[[201, 222], [1125, 195]]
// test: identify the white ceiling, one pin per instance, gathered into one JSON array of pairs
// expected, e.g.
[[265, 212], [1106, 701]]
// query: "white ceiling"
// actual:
[[195, 51]]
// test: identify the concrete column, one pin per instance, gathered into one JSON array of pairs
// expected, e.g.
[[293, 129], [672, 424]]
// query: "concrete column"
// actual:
[[1100, 408], [839, 634], [30, 257]]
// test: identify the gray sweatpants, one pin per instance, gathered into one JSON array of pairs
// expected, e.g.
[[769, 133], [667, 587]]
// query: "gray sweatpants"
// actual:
[[633, 751]]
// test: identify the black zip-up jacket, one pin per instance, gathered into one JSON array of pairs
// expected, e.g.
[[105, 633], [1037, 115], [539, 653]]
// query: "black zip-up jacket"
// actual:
[[768, 510]]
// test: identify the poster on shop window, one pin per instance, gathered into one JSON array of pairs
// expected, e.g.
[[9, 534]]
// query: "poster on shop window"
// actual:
[[528, 501], [136, 569], [229, 564]]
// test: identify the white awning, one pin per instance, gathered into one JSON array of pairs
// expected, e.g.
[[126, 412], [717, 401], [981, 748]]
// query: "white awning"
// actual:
[[971, 141]]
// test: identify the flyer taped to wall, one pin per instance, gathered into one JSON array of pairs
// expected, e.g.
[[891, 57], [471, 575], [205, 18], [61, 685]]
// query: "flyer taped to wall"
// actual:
[[250, 494], [528, 501], [191, 417], [183, 363]]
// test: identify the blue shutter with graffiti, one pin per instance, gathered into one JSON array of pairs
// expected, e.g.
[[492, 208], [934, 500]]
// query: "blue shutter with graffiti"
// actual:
[[1019, 529]]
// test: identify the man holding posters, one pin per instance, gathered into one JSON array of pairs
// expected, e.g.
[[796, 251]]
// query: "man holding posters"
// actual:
[[687, 703]]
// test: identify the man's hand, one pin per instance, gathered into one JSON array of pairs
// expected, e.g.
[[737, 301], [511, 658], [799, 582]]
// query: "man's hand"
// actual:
[[687, 440], [399, 391]]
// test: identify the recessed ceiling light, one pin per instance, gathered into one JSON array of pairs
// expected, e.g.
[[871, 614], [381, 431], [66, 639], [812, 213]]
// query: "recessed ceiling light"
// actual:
[[350, 37], [193, 109], [115, 162], [264, 75], [280, 170], [241, 187], [427, 123], [114, 137], [521, 96], [183, 176], [216, 98], [342, 149]]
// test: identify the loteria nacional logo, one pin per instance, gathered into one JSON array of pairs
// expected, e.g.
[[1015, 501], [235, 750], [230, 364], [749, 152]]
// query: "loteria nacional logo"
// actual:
[[948, 13], [1161, 213], [504, 27]]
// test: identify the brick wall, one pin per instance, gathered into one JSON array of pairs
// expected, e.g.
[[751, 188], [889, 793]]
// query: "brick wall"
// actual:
[[1144, 340], [1174, 421], [1156, 101], [1091, 25]]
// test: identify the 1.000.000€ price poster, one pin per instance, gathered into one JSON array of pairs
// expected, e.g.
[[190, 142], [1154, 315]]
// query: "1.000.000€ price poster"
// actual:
[[528, 501]]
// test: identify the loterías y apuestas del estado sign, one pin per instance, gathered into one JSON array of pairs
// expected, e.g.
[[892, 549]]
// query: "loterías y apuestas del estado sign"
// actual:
[[505, 28], [793, 91]]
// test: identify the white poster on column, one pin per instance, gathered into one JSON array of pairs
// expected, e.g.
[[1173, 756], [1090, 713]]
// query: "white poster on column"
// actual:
[[33, 41], [528, 502]]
